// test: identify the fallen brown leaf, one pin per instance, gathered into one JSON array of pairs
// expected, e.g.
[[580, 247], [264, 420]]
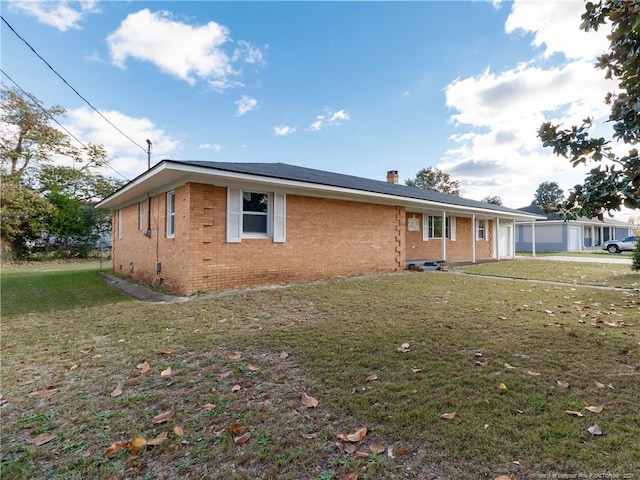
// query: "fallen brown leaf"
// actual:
[[308, 401], [502, 386], [308, 436], [377, 448], [164, 352], [163, 417], [349, 448], [563, 384], [236, 428], [166, 372], [161, 437], [371, 378], [114, 447], [448, 416], [235, 356], [117, 391], [43, 393], [236, 388], [573, 413], [253, 368], [283, 355], [532, 373], [416, 370], [42, 439], [361, 454], [594, 409], [143, 367], [358, 435], [208, 406], [178, 431], [595, 430], [242, 439], [404, 348], [136, 445]]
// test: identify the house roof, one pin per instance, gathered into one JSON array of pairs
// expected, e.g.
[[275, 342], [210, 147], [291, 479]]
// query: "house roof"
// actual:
[[557, 217], [169, 174]]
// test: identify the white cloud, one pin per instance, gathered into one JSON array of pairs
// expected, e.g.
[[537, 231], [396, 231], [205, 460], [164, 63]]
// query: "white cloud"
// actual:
[[283, 130], [126, 157], [210, 146], [63, 15], [188, 52], [497, 114], [245, 105], [331, 118]]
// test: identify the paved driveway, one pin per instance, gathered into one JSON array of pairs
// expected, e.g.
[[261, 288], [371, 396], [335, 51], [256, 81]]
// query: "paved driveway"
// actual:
[[613, 258]]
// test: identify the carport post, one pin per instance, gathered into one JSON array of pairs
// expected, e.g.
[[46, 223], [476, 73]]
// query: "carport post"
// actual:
[[533, 238]]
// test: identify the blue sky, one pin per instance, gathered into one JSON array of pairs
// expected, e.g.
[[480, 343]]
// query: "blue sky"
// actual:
[[350, 87]]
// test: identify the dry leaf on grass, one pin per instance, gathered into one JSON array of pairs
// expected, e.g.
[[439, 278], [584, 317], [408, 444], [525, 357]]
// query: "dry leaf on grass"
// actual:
[[164, 352], [594, 409], [235, 356], [208, 406], [242, 439], [563, 384], [161, 437], [283, 355], [236, 428], [502, 386], [253, 368], [377, 448], [163, 417], [358, 435], [416, 370], [595, 430], [308, 401], [503, 477], [371, 378], [448, 416], [404, 348], [349, 476], [166, 372], [42, 439], [115, 447], [225, 374], [573, 413], [236, 388], [143, 367], [598, 384], [136, 445], [361, 454], [43, 393], [507, 366], [178, 431], [532, 373], [117, 391], [349, 448], [308, 436]]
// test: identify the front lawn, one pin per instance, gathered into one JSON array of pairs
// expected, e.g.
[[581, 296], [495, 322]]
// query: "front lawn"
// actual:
[[454, 377]]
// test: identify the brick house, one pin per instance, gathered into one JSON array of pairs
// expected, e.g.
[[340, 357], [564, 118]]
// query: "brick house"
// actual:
[[192, 226]]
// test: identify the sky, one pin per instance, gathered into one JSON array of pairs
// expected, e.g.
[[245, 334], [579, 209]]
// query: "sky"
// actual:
[[357, 87]]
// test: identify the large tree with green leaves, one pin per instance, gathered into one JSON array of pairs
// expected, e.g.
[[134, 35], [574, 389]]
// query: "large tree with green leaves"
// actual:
[[434, 179], [614, 182], [549, 196], [39, 196]]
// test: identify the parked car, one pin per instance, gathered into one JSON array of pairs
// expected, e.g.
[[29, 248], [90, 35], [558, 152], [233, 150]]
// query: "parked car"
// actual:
[[626, 244]]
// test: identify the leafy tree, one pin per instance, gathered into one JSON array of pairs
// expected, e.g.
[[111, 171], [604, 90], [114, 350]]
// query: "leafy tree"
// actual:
[[549, 196], [24, 214], [434, 179], [615, 180], [492, 199]]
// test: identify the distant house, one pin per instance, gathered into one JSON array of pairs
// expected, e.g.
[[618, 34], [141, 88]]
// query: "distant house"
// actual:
[[555, 234], [194, 226]]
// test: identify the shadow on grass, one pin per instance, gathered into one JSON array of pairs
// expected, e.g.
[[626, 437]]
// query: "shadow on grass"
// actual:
[[25, 292]]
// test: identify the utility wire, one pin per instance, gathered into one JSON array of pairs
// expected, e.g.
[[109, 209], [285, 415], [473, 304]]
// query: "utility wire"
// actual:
[[69, 85], [35, 101]]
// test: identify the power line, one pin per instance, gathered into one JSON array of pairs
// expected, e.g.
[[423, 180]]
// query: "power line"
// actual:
[[69, 85], [35, 101]]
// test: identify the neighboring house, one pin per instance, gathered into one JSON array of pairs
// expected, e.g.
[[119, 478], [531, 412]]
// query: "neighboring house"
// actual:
[[193, 226], [554, 234]]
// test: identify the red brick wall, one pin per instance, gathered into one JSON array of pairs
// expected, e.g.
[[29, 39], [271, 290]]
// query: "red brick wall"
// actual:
[[325, 238], [458, 250]]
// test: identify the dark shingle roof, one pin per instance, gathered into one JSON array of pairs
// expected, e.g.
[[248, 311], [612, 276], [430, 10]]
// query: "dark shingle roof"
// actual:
[[321, 177]]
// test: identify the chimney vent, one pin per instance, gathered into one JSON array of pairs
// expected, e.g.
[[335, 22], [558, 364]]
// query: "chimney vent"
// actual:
[[392, 176]]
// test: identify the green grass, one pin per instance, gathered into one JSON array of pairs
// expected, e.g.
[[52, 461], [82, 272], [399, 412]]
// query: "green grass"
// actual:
[[463, 331]]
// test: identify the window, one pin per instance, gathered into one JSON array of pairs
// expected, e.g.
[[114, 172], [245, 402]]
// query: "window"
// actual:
[[171, 214], [120, 223], [255, 214], [481, 229], [432, 227], [255, 209], [140, 216]]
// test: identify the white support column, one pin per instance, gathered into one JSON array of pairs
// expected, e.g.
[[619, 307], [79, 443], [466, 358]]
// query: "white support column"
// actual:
[[444, 236], [496, 238], [473, 238], [533, 238]]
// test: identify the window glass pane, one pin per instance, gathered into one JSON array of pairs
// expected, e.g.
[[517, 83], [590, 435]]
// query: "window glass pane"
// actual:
[[254, 223], [255, 202], [437, 227]]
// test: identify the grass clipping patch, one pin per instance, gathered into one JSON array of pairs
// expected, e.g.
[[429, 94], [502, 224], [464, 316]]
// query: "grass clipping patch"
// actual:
[[413, 375]]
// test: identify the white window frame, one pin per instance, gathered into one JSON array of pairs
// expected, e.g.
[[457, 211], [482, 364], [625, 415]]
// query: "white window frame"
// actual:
[[140, 215], [428, 225], [171, 214], [276, 216], [481, 229], [119, 223]]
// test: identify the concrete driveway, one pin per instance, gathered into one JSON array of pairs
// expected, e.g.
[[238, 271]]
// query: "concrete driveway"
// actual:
[[612, 258]]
